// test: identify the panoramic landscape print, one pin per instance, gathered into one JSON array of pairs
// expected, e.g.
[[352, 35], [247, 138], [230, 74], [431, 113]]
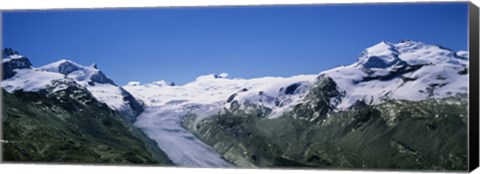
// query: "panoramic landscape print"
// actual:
[[358, 86]]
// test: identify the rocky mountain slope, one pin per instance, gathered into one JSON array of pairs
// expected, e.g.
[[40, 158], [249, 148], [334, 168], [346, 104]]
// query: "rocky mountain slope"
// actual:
[[65, 123], [397, 134], [65, 112]]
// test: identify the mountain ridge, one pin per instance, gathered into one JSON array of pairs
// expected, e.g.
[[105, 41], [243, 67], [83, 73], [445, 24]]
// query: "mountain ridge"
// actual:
[[399, 63], [21, 75], [414, 70]]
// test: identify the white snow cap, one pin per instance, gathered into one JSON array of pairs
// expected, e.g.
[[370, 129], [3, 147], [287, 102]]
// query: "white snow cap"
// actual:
[[56, 66], [208, 90], [463, 54], [381, 55], [160, 83], [12, 57], [223, 75], [439, 74], [212, 76], [133, 83]]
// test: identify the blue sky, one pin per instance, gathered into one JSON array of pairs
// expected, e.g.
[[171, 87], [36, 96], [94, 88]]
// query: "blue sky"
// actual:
[[179, 44]]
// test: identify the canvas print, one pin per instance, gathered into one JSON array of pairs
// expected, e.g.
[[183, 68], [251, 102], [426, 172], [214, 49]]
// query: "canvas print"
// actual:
[[352, 86]]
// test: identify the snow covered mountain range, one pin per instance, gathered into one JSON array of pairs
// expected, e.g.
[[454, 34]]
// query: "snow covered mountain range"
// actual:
[[407, 70]]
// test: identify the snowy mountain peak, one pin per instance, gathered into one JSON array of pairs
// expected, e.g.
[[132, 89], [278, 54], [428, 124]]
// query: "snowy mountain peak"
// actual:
[[12, 62], [160, 83], [221, 75], [19, 75], [76, 71], [381, 48], [133, 83], [212, 77], [385, 55], [407, 70], [94, 66], [381, 55], [408, 41], [462, 54], [62, 66], [9, 52], [418, 53]]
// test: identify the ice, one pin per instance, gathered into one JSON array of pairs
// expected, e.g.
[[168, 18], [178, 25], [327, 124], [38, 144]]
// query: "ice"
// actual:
[[164, 126]]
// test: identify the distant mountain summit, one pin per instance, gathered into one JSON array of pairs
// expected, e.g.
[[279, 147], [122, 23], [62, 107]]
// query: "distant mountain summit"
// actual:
[[19, 74], [381, 55], [11, 60], [77, 71], [8, 52], [407, 70]]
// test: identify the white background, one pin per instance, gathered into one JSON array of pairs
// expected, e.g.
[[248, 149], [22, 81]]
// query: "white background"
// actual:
[[90, 169]]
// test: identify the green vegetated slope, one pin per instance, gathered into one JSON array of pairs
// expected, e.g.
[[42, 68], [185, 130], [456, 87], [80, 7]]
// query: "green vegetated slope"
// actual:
[[429, 134], [68, 125]]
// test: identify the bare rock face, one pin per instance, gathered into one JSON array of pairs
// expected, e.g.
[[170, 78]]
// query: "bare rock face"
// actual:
[[11, 61]]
